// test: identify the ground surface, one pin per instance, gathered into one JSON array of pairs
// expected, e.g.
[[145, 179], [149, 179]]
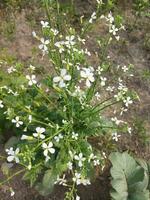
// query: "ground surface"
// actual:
[[18, 41]]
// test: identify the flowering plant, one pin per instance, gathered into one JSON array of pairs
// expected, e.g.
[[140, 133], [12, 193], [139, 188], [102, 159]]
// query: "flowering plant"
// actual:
[[56, 114]]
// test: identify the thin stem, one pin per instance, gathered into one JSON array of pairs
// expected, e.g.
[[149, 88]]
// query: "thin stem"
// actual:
[[10, 177]]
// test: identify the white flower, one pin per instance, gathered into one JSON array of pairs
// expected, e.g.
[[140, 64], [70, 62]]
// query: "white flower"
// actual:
[[12, 155], [1, 104], [55, 32], [127, 101], [12, 193], [77, 198], [69, 164], [44, 24], [34, 34], [99, 2], [113, 30], [30, 118], [88, 75], [110, 18], [99, 70], [125, 68], [17, 122], [61, 181], [39, 132], [75, 135], [110, 88], [24, 137], [103, 81], [43, 46], [48, 149], [62, 78], [31, 79], [97, 95], [77, 178], [115, 136], [93, 16], [11, 70], [129, 130], [117, 121], [70, 41], [85, 181], [60, 46], [123, 110], [96, 162], [87, 52], [80, 159], [57, 138], [31, 67]]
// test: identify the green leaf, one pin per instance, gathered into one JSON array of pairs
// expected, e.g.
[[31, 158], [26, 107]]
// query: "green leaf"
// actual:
[[47, 185], [129, 179]]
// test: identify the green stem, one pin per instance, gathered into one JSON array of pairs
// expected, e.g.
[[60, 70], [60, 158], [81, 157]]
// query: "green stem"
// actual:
[[10, 177]]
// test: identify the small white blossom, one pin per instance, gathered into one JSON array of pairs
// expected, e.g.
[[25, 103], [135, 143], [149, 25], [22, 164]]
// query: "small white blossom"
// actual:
[[58, 138], [60, 46], [85, 181], [70, 41], [55, 32], [125, 68], [11, 70], [123, 110], [77, 178], [80, 159], [44, 24], [44, 44], [127, 101], [39, 133], [99, 70], [62, 78], [1, 104], [99, 2], [30, 118], [87, 74], [115, 136], [93, 17], [17, 121], [26, 137], [31, 79], [96, 162], [12, 192], [61, 181], [129, 130], [12, 155], [34, 34], [69, 164], [31, 67], [110, 18], [48, 148], [110, 88], [113, 30], [97, 95], [117, 121], [103, 81], [77, 198], [75, 135]]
